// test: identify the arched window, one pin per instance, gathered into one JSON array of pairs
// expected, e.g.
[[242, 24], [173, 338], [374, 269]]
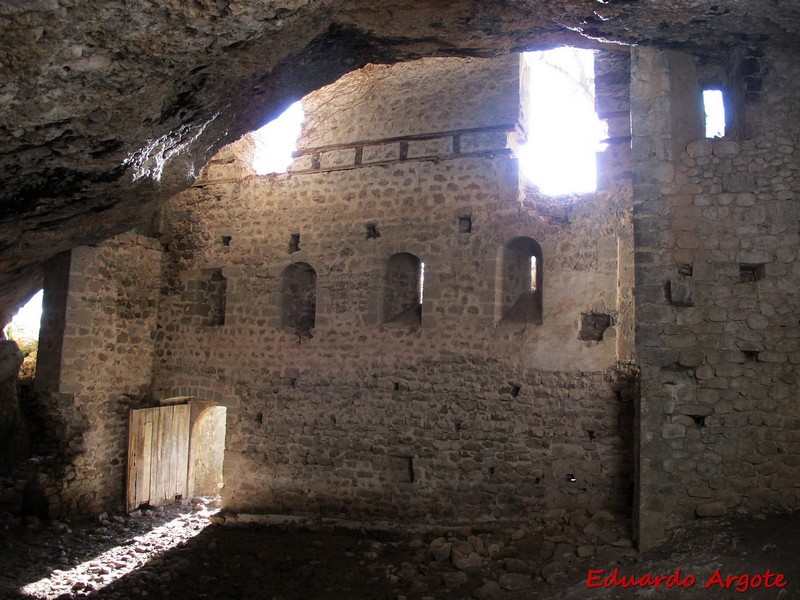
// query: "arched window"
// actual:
[[518, 296], [402, 296], [299, 297]]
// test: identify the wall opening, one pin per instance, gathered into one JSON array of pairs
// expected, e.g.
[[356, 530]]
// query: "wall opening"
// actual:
[[207, 449], [24, 330], [403, 290], [518, 295], [559, 116], [216, 290], [175, 451], [277, 140], [299, 297], [714, 107]]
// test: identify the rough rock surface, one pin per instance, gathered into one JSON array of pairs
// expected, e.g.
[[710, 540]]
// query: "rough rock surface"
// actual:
[[106, 108]]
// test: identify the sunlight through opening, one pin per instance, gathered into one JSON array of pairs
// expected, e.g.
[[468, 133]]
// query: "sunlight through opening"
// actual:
[[277, 140], [117, 562], [714, 106], [564, 131], [25, 324], [421, 280]]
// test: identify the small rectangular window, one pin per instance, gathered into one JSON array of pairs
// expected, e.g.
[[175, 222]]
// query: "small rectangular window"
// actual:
[[421, 280], [714, 106]]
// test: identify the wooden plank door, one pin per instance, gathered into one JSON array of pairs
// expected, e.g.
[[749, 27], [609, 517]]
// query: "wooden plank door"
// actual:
[[158, 455]]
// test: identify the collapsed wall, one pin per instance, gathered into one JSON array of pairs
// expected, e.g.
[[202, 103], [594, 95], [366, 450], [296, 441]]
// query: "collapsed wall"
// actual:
[[351, 391]]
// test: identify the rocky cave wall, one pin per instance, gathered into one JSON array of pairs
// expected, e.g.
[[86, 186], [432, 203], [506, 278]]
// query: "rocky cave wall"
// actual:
[[716, 279], [447, 414]]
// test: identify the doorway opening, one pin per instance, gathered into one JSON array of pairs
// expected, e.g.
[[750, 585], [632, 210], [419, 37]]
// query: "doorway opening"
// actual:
[[175, 451]]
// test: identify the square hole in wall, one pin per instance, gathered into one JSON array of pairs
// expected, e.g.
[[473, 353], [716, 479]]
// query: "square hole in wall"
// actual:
[[294, 243], [751, 355], [751, 272], [400, 469], [226, 240], [593, 326], [465, 224], [372, 231]]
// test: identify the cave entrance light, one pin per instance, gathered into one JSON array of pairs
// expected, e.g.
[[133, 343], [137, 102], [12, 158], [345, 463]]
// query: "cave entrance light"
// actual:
[[277, 140], [25, 324]]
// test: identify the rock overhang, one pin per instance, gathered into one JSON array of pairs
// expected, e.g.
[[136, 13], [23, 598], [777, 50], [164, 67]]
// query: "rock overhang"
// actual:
[[109, 108]]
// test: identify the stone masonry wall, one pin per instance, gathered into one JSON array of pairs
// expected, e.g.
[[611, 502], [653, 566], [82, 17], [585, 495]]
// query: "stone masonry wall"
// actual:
[[106, 357], [716, 287], [449, 417]]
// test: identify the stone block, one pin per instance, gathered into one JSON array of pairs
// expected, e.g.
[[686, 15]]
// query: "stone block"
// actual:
[[342, 157], [700, 148], [484, 141], [514, 581], [380, 152], [436, 147], [738, 182], [490, 590], [711, 509], [304, 162], [439, 549], [471, 561], [725, 148], [673, 431], [454, 580]]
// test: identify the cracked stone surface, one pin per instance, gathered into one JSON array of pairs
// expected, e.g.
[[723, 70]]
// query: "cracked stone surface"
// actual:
[[106, 108]]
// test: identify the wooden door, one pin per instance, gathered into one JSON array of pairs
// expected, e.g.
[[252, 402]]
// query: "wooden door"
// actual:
[[158, 455]]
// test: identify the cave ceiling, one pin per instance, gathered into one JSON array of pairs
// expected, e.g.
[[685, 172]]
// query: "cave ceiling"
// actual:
[[109, 106]]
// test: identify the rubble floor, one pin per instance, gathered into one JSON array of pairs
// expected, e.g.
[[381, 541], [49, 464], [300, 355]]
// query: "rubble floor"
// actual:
[[176, 553]]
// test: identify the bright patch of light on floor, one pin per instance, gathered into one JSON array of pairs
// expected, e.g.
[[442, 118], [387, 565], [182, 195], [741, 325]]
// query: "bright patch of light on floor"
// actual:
[[276, 141], [25, 324], [117, 562], [564, 131], [715, 113]]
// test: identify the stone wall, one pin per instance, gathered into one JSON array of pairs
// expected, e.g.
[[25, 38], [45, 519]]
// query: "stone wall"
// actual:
[[421, 97], [450, 415], [716, 280], [271, 300], [106, 296]]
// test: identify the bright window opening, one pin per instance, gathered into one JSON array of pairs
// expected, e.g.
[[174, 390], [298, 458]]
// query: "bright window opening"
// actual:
[[533, 273], [25, 324], [24, 329], [277, 140], [714, 106], [421, 280], [563, 129]]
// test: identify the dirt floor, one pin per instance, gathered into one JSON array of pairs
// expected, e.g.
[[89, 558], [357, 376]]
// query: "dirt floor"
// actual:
[[177, 553]]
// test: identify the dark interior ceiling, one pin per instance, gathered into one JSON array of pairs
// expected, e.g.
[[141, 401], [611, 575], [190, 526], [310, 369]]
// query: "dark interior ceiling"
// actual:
[[109, 106]]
